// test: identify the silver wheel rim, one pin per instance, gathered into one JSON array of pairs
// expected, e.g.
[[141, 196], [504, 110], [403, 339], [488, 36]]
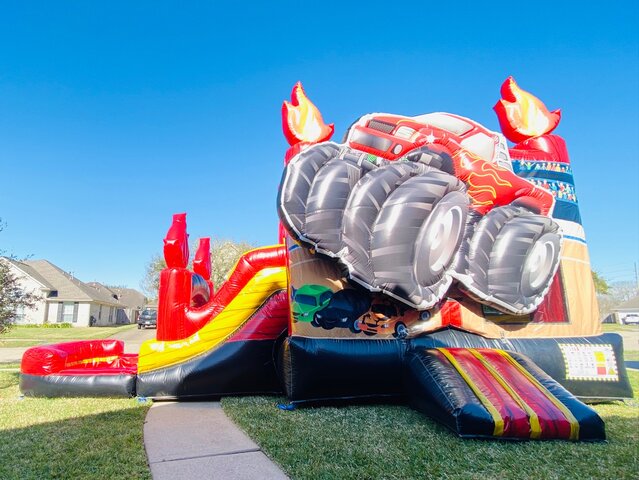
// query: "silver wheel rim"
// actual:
[[540, 262]]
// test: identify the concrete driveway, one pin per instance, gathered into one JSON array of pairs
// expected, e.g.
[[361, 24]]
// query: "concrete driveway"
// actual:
[[630, 338], [133, 338]]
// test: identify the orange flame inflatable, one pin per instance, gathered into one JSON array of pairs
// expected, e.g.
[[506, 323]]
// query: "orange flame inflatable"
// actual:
[[302, 121], [522, 115]]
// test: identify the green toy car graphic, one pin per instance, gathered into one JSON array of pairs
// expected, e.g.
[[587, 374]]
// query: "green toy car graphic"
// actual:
[[309, 299]]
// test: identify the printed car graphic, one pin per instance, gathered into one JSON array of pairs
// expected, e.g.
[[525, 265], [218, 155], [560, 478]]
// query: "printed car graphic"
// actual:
[[383, 318], [343, 310], [307, 300]]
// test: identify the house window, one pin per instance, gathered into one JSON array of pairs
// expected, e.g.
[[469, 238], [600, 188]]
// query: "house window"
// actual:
[[70, 312], [110, 314], [100, 313], [20, 314]]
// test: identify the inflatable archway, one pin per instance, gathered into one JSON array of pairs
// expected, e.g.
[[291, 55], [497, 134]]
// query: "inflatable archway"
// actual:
[[421, 258]]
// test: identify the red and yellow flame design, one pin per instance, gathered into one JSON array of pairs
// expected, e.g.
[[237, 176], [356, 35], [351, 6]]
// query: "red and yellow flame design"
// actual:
[[483, 184], [522, 115], [490, 185], [302, 121]]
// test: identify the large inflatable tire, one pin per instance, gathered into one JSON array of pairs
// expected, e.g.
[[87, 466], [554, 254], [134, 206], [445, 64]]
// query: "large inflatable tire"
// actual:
[[296, 184], [416, 238], [439, 160], [324, 210], [362, 210], [513, 258]]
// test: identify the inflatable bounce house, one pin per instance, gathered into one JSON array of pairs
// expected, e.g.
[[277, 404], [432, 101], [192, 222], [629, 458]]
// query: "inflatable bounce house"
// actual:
[[422, 258]]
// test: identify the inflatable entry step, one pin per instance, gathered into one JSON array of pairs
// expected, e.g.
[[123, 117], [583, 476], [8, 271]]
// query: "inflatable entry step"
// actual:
[[497, 394]]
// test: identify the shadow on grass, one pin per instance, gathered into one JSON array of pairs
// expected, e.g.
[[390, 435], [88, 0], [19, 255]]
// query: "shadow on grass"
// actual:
[[8, 380], [106, 445]]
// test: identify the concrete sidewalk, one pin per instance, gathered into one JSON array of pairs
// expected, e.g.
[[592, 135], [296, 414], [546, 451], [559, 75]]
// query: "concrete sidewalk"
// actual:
[[11, 354], [196, 440]]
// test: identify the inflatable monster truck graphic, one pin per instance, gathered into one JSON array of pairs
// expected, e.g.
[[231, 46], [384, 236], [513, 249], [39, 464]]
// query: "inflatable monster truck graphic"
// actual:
[[409, 205]]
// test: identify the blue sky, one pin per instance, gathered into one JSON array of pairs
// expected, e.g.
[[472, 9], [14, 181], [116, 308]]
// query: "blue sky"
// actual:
[[115, 115]]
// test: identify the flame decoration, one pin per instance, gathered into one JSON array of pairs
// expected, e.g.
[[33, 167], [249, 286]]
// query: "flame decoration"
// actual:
[[302, 121], [522, 115], [484, 180]]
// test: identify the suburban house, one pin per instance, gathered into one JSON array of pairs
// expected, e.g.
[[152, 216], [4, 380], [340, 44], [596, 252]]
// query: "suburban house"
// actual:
[[132, 302], [63, 298]]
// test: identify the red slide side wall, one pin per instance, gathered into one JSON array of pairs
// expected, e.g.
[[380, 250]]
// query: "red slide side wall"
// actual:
[[268, 322], [89, 357], [178, 320]]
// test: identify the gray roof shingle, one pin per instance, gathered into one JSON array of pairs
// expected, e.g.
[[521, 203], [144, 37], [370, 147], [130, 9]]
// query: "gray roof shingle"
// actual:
[[128, 297], [70, 288], [22, 266]]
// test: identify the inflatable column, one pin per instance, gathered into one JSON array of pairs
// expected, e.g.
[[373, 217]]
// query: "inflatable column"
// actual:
[[542, 158]]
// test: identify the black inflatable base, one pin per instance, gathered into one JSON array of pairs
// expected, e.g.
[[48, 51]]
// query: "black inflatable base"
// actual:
[[235, 368], [332, 369], [77, 385]]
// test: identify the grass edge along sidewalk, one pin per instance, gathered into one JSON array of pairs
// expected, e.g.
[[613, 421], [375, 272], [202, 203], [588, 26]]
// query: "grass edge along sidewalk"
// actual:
[[394, 441]]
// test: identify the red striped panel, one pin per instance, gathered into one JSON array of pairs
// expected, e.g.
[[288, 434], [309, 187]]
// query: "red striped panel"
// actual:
[[451, 314], [268, 322], [247, 266], [515, 418], [552, 421]]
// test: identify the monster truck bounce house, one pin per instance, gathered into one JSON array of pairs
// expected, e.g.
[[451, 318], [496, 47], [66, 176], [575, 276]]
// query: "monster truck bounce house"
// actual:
[[422, 258]]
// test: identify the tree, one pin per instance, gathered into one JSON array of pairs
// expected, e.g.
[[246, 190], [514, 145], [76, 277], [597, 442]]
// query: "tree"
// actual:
[[601, 285], [151, 281], [224, 255], [616, 294], [12, 296]]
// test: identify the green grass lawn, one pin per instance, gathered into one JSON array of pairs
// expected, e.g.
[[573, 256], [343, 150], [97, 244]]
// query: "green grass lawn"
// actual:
[[631, 355], [615, 327], [102, 438], [27, 337], [69, 438], [394, 441]]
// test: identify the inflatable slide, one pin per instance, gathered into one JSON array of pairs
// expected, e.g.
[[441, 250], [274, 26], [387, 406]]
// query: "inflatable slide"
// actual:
[[224, 345]]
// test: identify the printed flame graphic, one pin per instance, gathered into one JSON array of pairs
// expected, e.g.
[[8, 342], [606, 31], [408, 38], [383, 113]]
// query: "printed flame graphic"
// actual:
[[302, 121], [522, 115], [484, 180]]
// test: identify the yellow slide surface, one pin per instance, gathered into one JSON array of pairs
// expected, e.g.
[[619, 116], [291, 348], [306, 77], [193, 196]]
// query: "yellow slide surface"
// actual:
[[160, 354]]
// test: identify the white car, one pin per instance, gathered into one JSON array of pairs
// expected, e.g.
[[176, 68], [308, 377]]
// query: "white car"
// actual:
[[631, 319]]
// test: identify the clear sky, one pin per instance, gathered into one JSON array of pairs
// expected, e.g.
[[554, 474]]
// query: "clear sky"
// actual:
[[114, 115]]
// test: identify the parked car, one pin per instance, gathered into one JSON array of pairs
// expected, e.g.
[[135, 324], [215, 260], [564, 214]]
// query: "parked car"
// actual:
[[148, 318], [631, 319]]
